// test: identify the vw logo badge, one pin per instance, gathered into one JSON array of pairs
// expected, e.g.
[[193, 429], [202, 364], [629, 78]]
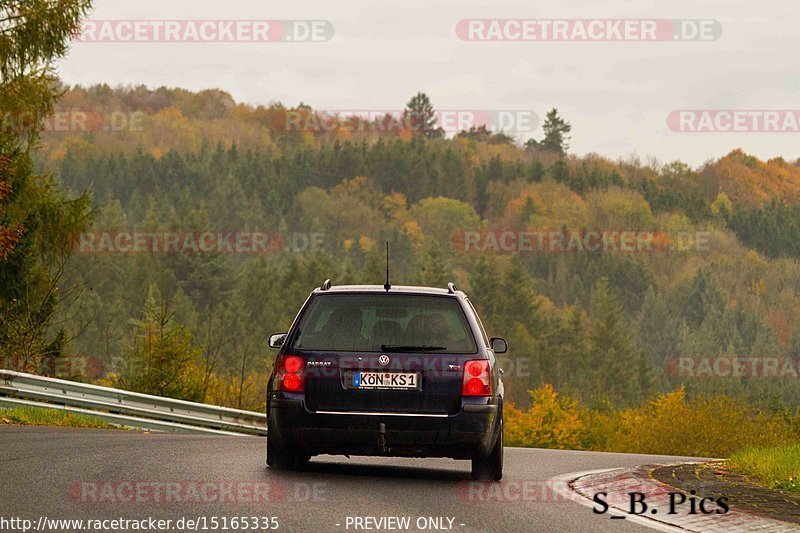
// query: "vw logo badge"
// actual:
[[383, 360]]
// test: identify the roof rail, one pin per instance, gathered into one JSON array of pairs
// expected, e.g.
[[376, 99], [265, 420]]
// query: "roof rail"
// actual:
[[326, 285], [451, 288]]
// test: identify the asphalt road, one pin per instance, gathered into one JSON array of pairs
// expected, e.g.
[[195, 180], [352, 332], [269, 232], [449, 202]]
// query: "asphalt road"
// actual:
[[99, 474]]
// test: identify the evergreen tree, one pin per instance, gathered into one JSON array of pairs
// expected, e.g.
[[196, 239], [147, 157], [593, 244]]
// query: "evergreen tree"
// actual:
[[794, 345], [657, 330], [616, 364], [484, 280], [162, 359], [420, 116], [560, 171], [37, 220], [704, 298], [556, 133], [434, 271]]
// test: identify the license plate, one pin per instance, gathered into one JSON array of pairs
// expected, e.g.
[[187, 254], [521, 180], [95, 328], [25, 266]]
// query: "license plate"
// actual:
[[385, 380]]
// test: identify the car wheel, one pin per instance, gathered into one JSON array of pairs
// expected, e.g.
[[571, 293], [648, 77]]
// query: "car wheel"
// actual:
[[280, 458], [490, 467]]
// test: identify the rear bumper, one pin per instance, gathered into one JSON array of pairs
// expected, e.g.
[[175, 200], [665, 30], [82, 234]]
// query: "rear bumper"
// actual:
[[463, 435]]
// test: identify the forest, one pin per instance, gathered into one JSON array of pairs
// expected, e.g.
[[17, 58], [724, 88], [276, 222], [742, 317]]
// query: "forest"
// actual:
[[611, 326]]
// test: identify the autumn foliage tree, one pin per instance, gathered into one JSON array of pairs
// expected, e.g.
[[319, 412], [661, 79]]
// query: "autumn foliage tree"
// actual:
[[37, 221], [8, 236], [203, 161]]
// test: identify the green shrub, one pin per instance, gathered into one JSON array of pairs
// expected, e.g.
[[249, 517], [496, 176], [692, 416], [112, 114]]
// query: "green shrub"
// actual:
[[668, 424]]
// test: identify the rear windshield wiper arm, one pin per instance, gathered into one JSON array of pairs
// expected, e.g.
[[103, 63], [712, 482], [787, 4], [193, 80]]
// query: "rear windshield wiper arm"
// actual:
[[419, 348]]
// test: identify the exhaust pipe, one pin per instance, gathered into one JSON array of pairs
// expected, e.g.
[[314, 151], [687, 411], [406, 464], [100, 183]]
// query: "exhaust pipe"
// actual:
[[382, 437]]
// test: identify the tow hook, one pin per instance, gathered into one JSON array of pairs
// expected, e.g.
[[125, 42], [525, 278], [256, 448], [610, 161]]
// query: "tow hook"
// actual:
[[382, 437]]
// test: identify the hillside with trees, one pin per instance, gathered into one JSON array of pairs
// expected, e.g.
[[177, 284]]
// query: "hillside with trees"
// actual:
[[603, 327]]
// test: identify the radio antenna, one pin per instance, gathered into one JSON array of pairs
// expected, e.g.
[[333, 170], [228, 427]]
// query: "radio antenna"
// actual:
[[387, 286]]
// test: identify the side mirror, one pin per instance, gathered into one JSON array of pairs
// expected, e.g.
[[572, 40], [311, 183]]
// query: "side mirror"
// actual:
[[498, 344], [276, 341]]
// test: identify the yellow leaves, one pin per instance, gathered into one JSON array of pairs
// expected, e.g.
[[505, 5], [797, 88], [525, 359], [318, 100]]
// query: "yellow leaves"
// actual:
[[704, 426], [232, 391], [524, 206], [508, 152], [599, 164], [307, 139], [750, 181], [352, 186], [781, 323], [753, 267], [462, 143], [551, 422], [395, 205], [756, 287], [405, 134], [343, 134], [661, 240], [367, 244], [414, 232], [754, 262], [545, 304], [667, 424], [619, 209], [440, 217], [348, 210], [546, 205], [109, 380], [675, 223], [168, 116], [722, 204], [485, 151]]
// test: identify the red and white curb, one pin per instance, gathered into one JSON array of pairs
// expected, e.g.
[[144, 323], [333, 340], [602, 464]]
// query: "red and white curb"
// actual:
[[618, 483]]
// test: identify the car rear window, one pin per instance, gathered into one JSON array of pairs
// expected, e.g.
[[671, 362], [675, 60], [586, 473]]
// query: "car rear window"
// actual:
[[385, 322]]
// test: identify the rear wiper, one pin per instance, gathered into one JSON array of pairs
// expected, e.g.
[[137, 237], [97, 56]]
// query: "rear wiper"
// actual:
[[419, 348]]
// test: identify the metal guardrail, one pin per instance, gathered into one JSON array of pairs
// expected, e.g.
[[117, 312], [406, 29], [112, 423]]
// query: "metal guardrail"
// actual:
[[127, 408]]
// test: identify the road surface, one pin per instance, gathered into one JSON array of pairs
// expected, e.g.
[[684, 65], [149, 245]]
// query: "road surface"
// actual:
[[60, 473]]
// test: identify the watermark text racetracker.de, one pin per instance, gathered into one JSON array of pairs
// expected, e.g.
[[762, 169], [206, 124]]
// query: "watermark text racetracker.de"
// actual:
[[550, 241], [515, 491], [59, 365], [199, 491], [205, 31], [588, 30], [396, 120], [133, 241], [73, 121], [734, 121], [733, 366]]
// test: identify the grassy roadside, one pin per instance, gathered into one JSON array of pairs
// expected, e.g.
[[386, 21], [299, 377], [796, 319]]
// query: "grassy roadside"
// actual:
[[36, 416], [772, 467]]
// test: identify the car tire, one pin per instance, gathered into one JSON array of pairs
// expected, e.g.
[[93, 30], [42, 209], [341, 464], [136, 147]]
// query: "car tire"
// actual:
[[490, 467], [280, 458]]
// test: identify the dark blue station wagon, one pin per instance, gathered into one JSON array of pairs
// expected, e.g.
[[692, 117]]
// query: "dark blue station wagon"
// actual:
[[387, 371]]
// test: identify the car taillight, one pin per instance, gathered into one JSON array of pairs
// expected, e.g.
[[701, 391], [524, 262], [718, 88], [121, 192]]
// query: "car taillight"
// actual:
[[477, 379], [290, 376]]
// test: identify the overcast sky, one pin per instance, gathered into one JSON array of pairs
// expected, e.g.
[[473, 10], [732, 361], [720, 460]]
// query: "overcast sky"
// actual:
[[616, 95]]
